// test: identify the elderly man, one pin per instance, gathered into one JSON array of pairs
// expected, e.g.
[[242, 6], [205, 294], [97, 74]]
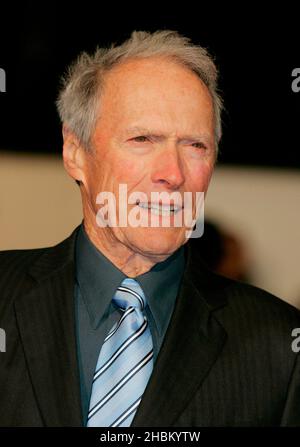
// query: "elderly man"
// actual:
[[118, 325]]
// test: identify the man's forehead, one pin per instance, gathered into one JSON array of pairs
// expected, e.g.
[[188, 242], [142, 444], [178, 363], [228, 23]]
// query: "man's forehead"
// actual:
[[155, 88], [163, 133], [149, 68], [158, 105]]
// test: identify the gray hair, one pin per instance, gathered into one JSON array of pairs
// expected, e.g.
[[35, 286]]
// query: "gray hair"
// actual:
[[78, 100]]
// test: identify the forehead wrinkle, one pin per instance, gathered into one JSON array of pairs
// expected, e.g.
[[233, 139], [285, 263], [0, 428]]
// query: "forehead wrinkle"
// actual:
[[186, 137]]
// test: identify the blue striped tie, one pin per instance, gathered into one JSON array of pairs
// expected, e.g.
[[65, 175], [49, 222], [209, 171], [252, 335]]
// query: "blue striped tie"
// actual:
[[125, 362]]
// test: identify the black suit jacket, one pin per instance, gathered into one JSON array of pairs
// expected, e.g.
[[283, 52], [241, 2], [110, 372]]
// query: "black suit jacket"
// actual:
[[226, 359]]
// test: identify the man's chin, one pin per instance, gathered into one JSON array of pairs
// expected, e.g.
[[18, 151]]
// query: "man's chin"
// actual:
[[158, 242]]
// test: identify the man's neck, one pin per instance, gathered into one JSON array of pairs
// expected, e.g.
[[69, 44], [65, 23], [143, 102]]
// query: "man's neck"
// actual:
[[130, 262]]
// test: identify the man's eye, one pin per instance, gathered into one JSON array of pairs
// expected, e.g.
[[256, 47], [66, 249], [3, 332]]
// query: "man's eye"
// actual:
[[199, 145], [141, 139]]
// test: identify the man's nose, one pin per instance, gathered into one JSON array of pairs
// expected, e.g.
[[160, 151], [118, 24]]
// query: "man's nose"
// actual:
[[168, 168]]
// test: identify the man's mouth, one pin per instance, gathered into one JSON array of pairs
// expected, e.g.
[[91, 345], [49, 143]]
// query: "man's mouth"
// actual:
[[159, 209]]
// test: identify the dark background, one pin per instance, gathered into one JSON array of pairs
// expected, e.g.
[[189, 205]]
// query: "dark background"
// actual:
[[255, 51]]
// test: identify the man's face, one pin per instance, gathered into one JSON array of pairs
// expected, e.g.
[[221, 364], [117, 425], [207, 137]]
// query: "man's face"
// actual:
[[155, 134]]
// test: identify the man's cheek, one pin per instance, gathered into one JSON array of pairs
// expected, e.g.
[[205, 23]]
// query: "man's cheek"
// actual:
[[201, 178], [128, 172]]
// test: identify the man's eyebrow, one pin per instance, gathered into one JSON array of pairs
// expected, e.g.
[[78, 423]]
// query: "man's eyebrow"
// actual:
[[141, 130], [188, 137]]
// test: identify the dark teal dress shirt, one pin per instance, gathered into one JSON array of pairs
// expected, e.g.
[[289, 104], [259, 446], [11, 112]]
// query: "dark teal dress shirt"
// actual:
[[96, 282]]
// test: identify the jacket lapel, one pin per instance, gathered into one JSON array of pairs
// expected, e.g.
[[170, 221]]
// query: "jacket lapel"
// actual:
[[46, 321], [192, 344]]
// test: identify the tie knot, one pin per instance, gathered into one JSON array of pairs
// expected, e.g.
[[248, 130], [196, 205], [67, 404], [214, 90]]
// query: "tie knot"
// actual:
[[130, 294]]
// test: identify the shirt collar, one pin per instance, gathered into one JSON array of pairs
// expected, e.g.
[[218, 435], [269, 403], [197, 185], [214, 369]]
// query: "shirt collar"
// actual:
[[97, 277], [98, 280], [161, 285]]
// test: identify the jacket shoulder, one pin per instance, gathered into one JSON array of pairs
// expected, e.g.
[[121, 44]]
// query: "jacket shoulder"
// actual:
[[259, 299], [20, 260], [21, 268], [14, 265], [221, 290], [242, 303], [12, 260], [258, 314]]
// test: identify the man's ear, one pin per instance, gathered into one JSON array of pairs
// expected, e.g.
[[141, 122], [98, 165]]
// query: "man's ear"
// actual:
[[73, 156]]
